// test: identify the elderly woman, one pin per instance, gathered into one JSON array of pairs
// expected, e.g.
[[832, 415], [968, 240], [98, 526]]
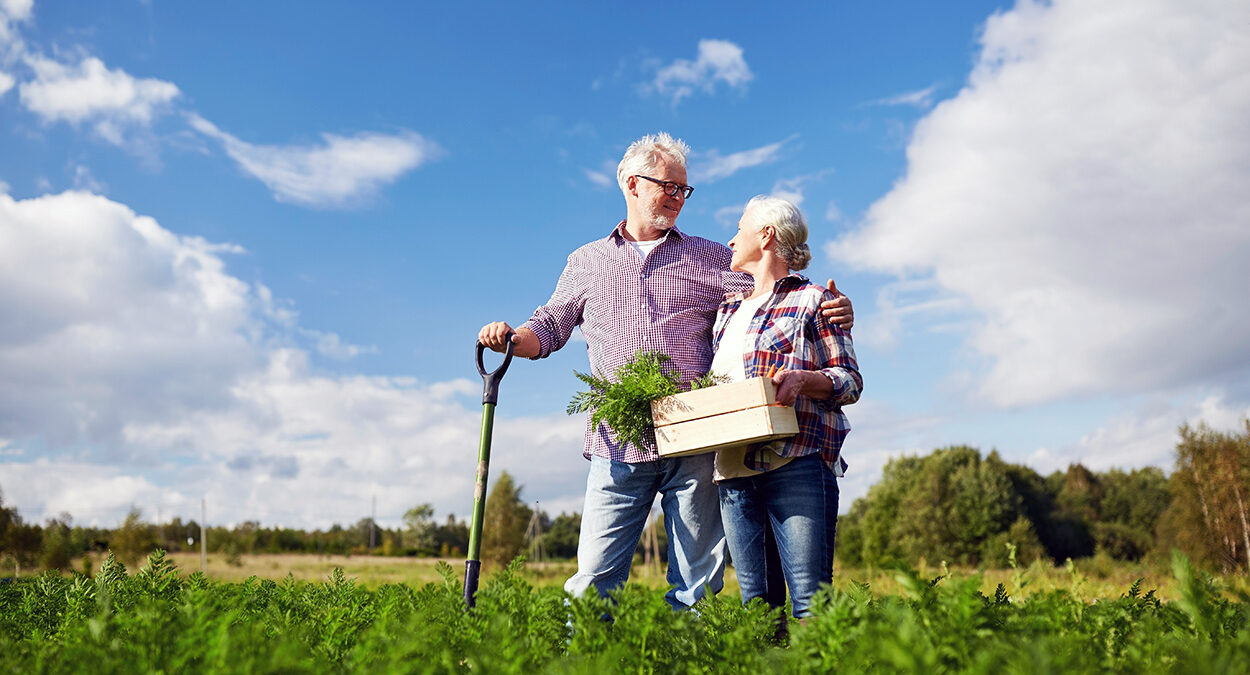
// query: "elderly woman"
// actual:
[[776, 330]]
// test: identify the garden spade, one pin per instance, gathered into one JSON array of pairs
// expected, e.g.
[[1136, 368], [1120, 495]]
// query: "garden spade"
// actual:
[[490, 396]]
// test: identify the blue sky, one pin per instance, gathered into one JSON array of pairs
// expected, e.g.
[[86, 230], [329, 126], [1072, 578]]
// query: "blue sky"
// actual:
[[245, 248]]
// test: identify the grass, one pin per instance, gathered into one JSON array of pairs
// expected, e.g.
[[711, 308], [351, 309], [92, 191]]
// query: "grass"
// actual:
[[1090, 579]]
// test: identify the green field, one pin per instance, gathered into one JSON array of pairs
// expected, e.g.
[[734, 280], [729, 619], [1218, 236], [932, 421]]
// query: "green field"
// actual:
[[159, 619]]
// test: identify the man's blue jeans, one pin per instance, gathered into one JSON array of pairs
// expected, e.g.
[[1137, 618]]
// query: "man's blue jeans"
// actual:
[[800, 500], [618, 501]]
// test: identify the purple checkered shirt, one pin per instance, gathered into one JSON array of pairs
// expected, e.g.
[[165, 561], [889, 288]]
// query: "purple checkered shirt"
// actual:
[[622, 303], [789, 333]]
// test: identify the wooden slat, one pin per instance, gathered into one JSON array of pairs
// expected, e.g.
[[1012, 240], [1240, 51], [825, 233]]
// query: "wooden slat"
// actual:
[[753, 425], [717, 400]]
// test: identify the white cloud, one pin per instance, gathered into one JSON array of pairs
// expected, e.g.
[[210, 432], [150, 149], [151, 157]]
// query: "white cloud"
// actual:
[[107, 317], [134, 363], [1144, 437], [110, 100], [790, 189], [718, 61], [879, 433], [16, 10], [340, 172], [833, 214], [600, 178], [12, 12], [907, 301], [921, 98], [1085, 193], [85, 180], [333, 346], [6, 82], [92, 494], [711, 166], [728, 216]]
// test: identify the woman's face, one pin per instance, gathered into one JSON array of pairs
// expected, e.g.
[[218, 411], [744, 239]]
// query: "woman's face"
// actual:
[[747, 244]]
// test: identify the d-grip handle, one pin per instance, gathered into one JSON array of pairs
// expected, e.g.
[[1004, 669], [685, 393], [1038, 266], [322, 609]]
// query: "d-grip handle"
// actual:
[[490, 381]]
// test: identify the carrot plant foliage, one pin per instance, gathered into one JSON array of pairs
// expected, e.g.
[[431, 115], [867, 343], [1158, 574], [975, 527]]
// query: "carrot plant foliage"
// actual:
[[158, 621]]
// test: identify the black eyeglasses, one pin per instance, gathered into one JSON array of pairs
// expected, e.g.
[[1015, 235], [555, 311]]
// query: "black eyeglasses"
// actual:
[[669, 187]]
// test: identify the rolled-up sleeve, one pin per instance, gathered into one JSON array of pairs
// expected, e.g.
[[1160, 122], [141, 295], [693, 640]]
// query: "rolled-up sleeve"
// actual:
[[835, 353], [553, 323]]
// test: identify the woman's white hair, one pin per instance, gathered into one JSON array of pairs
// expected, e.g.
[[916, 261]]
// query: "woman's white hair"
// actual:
[[789, 228], [644, 154]]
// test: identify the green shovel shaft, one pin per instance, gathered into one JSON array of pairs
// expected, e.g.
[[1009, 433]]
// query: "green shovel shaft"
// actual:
[[473, 565], [479, 490]]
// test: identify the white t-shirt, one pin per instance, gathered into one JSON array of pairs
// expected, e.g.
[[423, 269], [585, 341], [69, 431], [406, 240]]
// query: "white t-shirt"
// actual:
[[645, 247], [727, 362]]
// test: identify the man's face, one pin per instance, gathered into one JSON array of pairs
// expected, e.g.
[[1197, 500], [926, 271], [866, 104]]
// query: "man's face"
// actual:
[[658, 208]]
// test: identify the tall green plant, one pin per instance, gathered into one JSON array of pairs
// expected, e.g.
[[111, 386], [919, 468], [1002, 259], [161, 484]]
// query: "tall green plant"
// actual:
[[624, 400]]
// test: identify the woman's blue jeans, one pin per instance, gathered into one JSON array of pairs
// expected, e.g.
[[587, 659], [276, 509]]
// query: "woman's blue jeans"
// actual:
[[800, 501]]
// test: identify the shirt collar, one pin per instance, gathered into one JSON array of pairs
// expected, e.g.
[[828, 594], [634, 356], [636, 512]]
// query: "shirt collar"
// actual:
[[789, 281], [618, 233]]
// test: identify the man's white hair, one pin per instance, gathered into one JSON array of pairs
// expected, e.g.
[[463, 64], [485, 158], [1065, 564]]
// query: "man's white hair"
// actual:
[[644, 154]]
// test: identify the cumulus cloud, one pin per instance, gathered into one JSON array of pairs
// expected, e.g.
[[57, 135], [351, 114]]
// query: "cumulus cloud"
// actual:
[[16, 10], [110, 100], [134, 362], [342, 171], [12, 12], [6, 82], [1146, 436], [712, 166], [1085, 195], [718, 61], [100, 306]]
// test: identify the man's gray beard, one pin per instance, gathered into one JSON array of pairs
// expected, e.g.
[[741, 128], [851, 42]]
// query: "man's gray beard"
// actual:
[[662, 221]]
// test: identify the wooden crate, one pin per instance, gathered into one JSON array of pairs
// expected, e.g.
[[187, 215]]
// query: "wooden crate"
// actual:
[[717, 417]]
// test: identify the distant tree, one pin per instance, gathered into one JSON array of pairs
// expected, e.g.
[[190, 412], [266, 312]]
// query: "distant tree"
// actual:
[[55, 551], [849, 547], [419, 529], [134, 540], [560, 539], [996, 551], [1209, 514], [8, 516], [1076, 494], [1129, 511], [19, 542], [452, 537], [505, 522], [941, 507]]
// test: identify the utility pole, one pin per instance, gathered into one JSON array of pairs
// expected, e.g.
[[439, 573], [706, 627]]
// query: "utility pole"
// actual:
[[203, 537], [651, 545], [534, 532], [373, 523]]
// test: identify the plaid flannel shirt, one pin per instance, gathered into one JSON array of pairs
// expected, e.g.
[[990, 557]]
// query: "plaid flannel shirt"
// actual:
[[623, 303], [790, 333]]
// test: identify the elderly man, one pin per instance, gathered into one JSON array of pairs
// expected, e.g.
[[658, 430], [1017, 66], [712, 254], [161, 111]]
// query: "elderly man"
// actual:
[[647, 285]]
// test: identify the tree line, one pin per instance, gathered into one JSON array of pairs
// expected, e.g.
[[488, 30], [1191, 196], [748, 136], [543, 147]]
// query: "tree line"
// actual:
[[952, 505], [56, 543], [957, 506]]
